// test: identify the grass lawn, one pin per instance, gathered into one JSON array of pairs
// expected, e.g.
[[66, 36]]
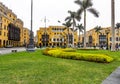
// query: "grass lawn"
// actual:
[[35, 68]]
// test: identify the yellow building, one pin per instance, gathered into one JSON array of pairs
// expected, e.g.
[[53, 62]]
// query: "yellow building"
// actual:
[[102, 38], [26, 36], [55, 36], [11, 28]]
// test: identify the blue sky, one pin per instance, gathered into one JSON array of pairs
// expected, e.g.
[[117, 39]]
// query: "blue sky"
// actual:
[[55, 10]]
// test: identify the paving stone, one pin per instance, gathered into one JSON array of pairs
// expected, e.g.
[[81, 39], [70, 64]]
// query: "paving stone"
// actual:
[[114, 78]]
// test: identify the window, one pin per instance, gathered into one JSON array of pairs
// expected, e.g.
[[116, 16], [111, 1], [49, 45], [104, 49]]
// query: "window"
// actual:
[[60, 39], [116, 38], [0, 33], [54, 39], [5, 13], [0, 25], [102, 38], [5, 27], [110, 38], [10, 15], [0, 18], [90, 39]]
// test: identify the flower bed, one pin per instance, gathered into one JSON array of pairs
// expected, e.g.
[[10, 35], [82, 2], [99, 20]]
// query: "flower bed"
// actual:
[[61, 53]]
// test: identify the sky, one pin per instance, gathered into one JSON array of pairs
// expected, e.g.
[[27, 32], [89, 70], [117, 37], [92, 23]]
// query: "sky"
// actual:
[[55, 10]]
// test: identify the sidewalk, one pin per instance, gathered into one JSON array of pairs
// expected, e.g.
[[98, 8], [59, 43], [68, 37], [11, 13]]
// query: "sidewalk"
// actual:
[[114, 78]]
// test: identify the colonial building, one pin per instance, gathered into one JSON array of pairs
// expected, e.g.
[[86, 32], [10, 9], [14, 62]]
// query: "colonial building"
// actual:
[[103, 38], [11, 28], [26, 36], [56, 36]]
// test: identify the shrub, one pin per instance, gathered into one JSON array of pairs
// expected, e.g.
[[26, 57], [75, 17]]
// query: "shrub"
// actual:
[[60, 53], [69, 50], [87, 49]]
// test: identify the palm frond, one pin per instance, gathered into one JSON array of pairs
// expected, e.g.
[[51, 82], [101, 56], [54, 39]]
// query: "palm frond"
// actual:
[[97, 29], [80, 27], [94, 12], [75, 30], [78, 2], [88, 3], [79, 11], [68, 18], [67, 24], [117, 25], [59, 21]]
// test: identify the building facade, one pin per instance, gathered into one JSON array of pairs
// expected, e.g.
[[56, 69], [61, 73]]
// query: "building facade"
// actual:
[[103, 38], [26, 36], [11, 28], [56, 36]]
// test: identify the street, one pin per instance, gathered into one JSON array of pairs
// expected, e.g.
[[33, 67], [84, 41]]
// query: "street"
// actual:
[[9, 50]]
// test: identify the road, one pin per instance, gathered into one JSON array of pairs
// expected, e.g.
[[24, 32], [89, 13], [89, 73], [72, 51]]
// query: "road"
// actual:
[[9, 50]]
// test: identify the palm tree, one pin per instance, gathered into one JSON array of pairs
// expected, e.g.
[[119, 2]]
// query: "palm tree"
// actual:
[[113, 24], [72, 18], [86, 5], [80, 28], [67, 26], [107, 31], [97, 30]]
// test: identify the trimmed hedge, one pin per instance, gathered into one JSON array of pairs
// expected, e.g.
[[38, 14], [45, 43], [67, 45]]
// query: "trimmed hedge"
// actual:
[[60, 53]]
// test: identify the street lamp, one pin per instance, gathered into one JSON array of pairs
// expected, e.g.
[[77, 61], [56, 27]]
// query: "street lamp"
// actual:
[[107, 32], [30, 46], [45, 32]]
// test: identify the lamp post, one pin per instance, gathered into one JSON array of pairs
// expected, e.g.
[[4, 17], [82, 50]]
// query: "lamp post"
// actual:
[[45, 31], [30, 46]]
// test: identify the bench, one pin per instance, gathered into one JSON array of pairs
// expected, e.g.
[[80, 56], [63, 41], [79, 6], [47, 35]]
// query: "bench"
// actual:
[[13, 50]]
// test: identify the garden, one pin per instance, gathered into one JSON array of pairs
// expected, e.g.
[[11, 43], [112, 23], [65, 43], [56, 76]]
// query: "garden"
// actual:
[[58, 66]]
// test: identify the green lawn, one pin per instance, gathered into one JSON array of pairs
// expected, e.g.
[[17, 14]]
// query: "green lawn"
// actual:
[[35, 68]]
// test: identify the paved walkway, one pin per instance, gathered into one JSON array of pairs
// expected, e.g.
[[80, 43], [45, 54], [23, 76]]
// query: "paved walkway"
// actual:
[[114, 78], [9, 50]]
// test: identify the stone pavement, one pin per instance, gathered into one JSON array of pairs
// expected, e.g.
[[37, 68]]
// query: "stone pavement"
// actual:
[[9, 50], [114, 78]]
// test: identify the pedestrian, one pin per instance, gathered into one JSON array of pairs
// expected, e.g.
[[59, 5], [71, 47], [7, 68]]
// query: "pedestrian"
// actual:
[[116, 46]]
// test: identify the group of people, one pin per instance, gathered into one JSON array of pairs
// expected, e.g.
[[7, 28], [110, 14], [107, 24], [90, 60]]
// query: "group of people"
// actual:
[[117, 47]]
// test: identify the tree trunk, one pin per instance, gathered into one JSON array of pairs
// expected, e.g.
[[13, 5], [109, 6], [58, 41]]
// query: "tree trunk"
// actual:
[[68, 38], [97, 39], [79, 36], [73, 36], [84, 28], [113, 24]]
